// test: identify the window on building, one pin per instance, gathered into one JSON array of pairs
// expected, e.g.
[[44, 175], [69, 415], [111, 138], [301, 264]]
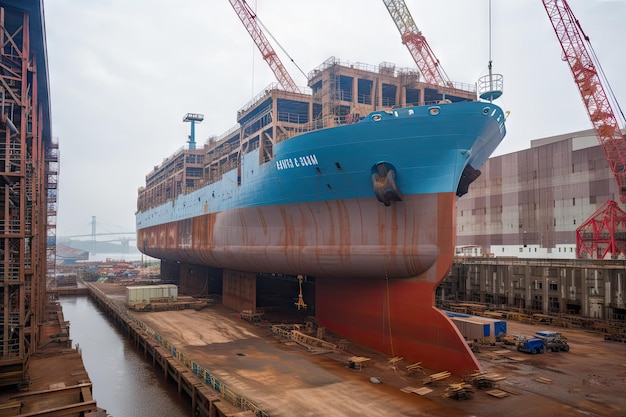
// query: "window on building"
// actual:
[[553, 286], [573, 201]]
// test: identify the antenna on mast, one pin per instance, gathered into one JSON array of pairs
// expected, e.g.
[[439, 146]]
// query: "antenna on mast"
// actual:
[[490, 86]]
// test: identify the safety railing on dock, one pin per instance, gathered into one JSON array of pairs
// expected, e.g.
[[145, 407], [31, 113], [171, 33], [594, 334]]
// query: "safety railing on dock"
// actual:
[[209, 379]]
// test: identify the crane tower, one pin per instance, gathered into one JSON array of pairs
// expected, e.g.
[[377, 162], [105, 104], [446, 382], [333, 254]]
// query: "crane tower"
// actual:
[[599, 235], [412, 37], [250, 21]]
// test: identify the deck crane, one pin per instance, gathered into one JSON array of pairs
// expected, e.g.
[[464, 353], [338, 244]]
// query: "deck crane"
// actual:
[[597, 235], [250, 21], [412, 37]]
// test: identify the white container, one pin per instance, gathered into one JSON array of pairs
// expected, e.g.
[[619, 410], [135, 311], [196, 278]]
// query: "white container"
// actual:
[[145, 293]]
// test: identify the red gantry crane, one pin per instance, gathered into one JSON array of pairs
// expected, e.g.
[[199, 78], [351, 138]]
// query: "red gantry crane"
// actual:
[[604, 231], [250, 21], [412, 37]]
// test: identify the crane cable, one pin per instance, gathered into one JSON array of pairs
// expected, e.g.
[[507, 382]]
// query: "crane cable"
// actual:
[[603, 77], [388, 305], [266, 30]]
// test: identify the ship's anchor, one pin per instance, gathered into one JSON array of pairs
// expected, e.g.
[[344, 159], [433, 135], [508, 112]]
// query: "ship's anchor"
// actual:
[[384, 183]]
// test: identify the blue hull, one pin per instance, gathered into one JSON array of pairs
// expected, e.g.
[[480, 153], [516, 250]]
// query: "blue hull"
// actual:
[[428, 147]]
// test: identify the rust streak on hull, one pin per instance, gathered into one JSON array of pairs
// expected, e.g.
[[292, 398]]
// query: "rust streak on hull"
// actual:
[[376, 269]]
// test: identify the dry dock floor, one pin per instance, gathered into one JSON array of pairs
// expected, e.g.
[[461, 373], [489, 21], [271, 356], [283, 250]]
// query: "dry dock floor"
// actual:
[[284, 379]]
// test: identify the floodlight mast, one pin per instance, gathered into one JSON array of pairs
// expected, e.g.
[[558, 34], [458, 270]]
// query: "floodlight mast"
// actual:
[[193, 118]]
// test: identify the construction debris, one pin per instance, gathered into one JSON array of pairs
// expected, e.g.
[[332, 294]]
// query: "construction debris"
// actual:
[[482, 380], [497, 393], [436, 377], [460, 391], [393, 361], [252, 316], [414, 368]]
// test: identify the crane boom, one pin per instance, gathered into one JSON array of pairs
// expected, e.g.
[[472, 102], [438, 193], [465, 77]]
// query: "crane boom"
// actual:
[[412, 37], [586, 76], [249, 20]]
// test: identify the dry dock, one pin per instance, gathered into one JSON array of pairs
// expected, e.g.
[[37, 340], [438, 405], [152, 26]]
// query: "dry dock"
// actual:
[[231, 367], [58, 384]]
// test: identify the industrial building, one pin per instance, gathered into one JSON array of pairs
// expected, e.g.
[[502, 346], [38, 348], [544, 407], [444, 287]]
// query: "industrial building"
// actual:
[[528, 204], [516, 236]]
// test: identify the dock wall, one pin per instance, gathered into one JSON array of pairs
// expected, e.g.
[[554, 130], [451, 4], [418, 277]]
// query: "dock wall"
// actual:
[[587, 292], [208, 395]]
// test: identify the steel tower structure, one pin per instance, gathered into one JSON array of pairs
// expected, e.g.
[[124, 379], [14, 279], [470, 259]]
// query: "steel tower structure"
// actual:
[[26, 174]]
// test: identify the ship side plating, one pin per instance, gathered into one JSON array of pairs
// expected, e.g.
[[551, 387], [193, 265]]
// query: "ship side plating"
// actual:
[[354, 184]]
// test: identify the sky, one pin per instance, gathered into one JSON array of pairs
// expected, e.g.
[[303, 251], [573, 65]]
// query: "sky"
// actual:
[[124, 73]]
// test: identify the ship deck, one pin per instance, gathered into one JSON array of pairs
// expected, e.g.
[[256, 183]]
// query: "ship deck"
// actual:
[[284, 379]]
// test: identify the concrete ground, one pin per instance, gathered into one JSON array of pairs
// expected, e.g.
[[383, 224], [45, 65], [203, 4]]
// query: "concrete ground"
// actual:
[[284, 379]]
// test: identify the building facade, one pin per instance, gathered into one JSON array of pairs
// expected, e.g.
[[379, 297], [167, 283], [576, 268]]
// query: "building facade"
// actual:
[[528, 204]]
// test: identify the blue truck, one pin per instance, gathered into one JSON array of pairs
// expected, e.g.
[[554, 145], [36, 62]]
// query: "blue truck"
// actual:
[[554, 341], [533, 346]]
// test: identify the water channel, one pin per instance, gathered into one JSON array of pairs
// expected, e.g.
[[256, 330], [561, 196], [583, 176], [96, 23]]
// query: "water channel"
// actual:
[[124, 381]]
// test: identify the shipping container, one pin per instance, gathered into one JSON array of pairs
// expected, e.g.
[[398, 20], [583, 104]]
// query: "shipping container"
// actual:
[[144, 294], [498, 327], [473, 329]]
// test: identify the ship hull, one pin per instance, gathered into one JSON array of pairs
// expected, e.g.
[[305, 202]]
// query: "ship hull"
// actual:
[[345, 238], [367, 209], [356, 250]]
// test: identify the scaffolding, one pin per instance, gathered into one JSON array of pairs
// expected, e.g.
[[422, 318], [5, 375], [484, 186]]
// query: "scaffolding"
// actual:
[[25, 181]]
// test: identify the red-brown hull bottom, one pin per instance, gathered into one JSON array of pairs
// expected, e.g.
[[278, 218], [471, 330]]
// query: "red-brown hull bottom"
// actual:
[[396, 317]]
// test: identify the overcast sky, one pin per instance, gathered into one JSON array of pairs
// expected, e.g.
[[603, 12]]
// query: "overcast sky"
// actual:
[[124, 73]]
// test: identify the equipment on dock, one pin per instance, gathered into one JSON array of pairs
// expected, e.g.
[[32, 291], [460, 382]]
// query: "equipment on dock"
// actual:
[[553, 341], [533, 346], [357, 362]]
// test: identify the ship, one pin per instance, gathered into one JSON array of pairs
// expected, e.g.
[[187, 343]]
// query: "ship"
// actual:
[[69, 255], [350, 185]]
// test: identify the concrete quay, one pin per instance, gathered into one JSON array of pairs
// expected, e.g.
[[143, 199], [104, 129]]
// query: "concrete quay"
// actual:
[[230, 367], [58, 383]]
